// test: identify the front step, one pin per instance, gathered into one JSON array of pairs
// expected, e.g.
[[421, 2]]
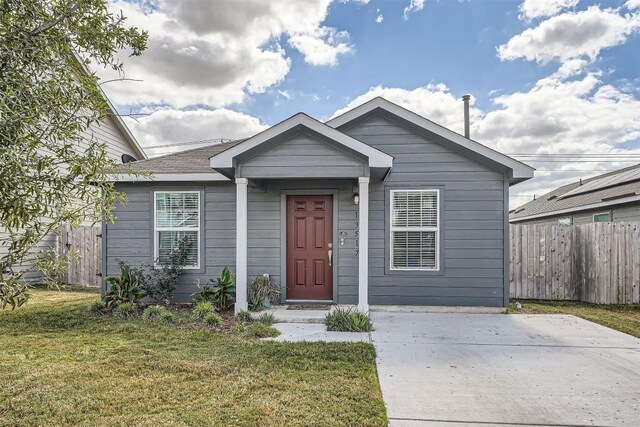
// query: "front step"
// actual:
[[283, 315]]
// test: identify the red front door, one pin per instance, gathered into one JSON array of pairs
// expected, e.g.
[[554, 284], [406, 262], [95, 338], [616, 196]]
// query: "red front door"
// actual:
[[309, 245]]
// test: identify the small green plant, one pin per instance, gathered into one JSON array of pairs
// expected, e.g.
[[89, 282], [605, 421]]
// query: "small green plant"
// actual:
[[126, 310], [96, 308], [203, 309], [158, 313], [243, 317], [124, 288], [267, 319], [224, 291], [258, 330], [262, 293], [213, 319], [348, 320]]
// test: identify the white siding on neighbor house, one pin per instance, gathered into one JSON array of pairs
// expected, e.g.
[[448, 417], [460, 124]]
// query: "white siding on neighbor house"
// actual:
[[105, 132]]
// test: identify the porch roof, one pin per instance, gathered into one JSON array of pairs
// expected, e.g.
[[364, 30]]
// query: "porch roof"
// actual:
[[226, 161]]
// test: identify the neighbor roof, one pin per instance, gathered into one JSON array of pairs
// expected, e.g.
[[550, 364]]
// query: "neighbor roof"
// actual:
[[520, 171], [612, 188]]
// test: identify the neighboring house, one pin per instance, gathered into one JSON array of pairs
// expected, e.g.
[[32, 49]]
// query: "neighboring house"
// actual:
[[614, 196], [119, 142], [376, 206]]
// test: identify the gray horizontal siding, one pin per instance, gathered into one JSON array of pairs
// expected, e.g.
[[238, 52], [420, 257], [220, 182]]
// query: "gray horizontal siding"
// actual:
[[472, 221], [130, 238], [301, 156], [104, 132]]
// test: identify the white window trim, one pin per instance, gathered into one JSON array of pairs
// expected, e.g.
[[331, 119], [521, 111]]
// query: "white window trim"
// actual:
[[566, 217], [593, 217], [436, 229], [156, 248]]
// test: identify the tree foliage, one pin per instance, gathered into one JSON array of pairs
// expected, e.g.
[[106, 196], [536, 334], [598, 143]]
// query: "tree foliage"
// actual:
[[52, 169]]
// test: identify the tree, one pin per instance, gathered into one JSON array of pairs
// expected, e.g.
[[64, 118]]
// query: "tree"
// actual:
[[52, 169]]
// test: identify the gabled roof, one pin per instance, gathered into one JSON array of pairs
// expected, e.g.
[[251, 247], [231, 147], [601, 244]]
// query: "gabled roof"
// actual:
[[187, 165], [377, 159], [520, 171], [123, 129], [609, 189]]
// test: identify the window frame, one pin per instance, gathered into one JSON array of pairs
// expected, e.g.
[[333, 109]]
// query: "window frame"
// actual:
[[156, 229], [593, 217], [570, 219], [436, 229]]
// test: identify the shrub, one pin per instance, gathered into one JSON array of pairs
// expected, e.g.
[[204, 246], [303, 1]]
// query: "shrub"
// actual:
[[267, 319], [124, 288], [96, 308], [221, 291], [262, 293], [259, 330], [125, 310], [158, 313], [213, 319], [203, 309], [159, 283], [348, 320], [243, 317]]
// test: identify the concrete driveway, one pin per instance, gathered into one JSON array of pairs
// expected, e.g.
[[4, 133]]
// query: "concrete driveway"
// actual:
[[485, 369]]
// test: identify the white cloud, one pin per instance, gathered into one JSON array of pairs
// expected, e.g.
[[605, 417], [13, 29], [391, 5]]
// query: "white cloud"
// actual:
[[379, 17], [571, 35], [169, 126], [433, 101], [530, 9], [215, 53], [412, 7], [570, 111], [632, 4], [323, 46]]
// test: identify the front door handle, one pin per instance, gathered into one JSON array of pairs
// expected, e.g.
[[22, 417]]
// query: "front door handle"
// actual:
[[330, 256]]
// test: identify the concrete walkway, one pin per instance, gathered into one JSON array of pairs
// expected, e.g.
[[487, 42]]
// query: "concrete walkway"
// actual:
[[482, 369]]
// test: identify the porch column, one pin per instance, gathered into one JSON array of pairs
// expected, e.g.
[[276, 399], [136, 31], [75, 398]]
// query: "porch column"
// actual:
[[241, 244], [363, 244]]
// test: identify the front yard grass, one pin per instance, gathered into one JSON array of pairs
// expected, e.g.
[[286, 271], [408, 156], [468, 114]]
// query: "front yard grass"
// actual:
[[624, 318], [59, 365]]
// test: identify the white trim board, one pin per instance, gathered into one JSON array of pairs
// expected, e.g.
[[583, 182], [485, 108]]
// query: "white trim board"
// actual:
[[578, 208], [520, 170], [376, 157]]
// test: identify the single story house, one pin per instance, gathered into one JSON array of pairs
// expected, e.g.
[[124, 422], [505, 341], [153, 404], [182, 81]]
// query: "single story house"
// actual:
[[376, 206], [613, 196]]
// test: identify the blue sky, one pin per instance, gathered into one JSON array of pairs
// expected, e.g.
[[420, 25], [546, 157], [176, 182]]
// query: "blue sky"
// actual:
[[547, 76]]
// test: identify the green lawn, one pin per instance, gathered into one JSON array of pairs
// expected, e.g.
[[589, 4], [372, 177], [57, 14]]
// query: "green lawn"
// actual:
[[624, 318], [61, 366]]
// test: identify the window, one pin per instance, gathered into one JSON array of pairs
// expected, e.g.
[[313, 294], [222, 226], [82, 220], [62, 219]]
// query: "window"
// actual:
[[177, 218], [602, 217], [564, 221], [415, 229]]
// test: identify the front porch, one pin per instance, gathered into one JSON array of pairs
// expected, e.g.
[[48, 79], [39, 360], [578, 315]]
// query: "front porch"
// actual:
[[334, 269]]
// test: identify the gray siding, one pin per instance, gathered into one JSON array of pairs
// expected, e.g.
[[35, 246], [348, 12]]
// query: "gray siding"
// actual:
[[130, 238], [302, 155], [472, 221], [104, 132], [627, 212]]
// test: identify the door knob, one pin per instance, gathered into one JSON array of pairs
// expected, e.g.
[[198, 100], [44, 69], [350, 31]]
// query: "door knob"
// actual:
[[330, 256]]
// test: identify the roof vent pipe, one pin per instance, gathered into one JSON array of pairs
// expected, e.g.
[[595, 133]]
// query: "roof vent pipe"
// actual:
[[465, 99]]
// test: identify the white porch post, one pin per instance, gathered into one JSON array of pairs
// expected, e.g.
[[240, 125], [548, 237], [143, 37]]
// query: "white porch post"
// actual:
[[363, 244], [241, 244]]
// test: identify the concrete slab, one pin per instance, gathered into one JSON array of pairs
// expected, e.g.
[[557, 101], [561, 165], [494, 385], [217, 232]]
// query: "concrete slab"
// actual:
[[298, 332], [462, 369]]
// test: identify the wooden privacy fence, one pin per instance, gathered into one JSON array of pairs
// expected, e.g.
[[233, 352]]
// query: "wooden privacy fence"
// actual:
[[87, 244], [597, 263]]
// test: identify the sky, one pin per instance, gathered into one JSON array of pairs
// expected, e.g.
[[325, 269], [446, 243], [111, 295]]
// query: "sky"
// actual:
[[554, 83]]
